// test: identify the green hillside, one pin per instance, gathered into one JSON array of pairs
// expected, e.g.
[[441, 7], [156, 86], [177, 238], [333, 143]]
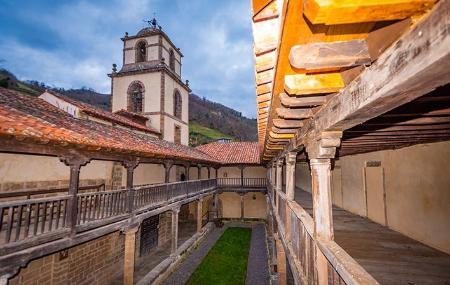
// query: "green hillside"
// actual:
[[199, 134]]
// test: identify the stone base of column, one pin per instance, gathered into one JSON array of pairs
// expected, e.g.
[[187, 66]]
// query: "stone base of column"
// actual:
[[129, 254]]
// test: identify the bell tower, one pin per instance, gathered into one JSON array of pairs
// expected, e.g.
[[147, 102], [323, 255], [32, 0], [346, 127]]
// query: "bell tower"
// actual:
[[149, 83]]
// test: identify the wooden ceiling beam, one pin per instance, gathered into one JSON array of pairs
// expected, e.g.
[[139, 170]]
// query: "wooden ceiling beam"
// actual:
[[283, 131], [286, 124], [263, 89], [263, 97], [299, 84], [264, 77], [302, 101], [287, 113], [332, 12]]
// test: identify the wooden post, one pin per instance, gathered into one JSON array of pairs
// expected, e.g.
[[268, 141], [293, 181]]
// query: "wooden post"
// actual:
[[209, 172], [291, 159], [186, 171], [75, 163], [199, 171], [130, 249], [241, 167], [130, 165], [217, 172], [199, 214], [279, 180], [175, 212], [320, 152], [167, 167]]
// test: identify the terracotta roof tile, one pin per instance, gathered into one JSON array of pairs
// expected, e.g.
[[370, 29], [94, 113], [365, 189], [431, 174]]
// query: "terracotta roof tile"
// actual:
[[233, 152], [105, 115], [31, 118]]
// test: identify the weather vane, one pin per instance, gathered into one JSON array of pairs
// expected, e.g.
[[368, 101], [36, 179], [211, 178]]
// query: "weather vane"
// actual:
[[153, 23]]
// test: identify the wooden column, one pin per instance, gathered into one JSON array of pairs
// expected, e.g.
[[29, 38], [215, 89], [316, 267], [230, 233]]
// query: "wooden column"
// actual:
[[175, 213], [199, 171], [75, 163], [167, 167], [291, 160], [320, 153], [130, 165], [241, 167], [217, 172], [186, 171], [209, 172], [199, 214], [129, 256]]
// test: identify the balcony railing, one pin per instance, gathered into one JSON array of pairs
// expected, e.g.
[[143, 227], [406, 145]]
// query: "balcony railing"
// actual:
[[247, 183], [32, 220]]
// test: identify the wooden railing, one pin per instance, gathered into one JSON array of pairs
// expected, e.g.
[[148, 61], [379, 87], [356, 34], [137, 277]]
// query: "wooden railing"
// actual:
[[25, 220], [44, 192], [242, 183], [296, 228]]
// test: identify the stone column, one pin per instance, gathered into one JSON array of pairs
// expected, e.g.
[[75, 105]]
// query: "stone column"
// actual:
[[130, 249], [199, 214], [241, 194], [281, 262], [175, 213], [216, 204]]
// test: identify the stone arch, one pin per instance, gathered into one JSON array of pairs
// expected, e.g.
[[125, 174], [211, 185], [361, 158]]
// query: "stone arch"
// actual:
[[177, 104], [136, 95], [141, 51]]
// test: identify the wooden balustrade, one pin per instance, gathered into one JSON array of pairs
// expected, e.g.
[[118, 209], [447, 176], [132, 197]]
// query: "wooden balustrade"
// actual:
[[301, 246], [22, 220], [242, 183]]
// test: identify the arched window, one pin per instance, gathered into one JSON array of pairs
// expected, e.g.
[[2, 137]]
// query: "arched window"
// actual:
[[177, 104], [136, 97], [141, 51], [172, 60]]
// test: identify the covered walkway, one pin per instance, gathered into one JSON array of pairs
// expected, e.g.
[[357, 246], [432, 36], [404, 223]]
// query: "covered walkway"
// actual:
[[390, 257]]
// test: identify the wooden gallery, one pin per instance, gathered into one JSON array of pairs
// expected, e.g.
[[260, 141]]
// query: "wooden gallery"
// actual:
[[350, 174]]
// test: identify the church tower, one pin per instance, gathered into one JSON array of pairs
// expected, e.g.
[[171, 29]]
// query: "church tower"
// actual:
[[149, 83]]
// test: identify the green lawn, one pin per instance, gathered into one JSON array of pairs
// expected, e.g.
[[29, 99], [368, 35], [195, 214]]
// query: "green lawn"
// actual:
[[226, 262]]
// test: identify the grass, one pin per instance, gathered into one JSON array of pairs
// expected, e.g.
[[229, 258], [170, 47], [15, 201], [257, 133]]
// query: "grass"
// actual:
[[226, 262], [199, 134]]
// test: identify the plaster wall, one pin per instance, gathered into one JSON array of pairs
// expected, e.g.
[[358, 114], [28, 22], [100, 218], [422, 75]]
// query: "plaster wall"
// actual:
[[303, 176], [415, 183], [249, 172], [230, 205], [255, 206], [61, 104]]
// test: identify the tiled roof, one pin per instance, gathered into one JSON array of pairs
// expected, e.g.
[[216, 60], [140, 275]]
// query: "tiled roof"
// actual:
[[233, 152], [25, 117], [105, 115]]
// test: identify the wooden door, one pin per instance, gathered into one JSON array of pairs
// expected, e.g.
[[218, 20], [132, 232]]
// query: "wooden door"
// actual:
[[375, 194]]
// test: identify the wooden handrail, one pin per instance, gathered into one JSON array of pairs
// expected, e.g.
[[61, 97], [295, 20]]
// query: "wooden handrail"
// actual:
[[30, 193]]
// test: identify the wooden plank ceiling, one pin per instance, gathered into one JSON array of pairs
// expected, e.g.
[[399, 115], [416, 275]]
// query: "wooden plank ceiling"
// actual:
[[306, 51]]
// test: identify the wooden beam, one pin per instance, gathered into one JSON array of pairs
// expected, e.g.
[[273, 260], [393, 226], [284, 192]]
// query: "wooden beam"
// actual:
[[263, 89], [330, 55], [286, 124], [281, 136], [287, 113], [270, 11], [283, 131], [263, 97], [332, 12], [299, 84], [264, 61], [414, 66], [302, 101], [264, 77]]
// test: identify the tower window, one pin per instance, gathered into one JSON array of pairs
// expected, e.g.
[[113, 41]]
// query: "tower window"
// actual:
[[177, 109], [136, 97], [141, 51], [172, 60]]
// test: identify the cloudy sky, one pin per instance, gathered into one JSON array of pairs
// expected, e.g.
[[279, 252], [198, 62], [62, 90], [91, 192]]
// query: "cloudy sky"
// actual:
[[72, 44]]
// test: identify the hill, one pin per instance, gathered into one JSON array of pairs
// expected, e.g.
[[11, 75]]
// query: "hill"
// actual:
[[208, 120]]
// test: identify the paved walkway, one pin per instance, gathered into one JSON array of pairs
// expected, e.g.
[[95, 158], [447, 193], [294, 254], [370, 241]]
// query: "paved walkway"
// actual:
[[257, 266]]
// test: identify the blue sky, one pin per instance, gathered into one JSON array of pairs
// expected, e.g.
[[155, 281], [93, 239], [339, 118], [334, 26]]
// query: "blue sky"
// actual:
[[72, 44]]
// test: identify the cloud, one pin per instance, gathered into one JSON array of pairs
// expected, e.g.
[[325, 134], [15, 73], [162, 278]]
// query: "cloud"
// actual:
[[215, 37]]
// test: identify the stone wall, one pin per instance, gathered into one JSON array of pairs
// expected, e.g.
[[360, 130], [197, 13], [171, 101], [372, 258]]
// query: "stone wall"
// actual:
[[92, 263], [165, 228]]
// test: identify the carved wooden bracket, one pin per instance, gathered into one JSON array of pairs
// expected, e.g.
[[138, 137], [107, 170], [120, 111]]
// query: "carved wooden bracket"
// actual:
[[130, 164], [74, 160], [324, 146], [168, 164], [291, 158]]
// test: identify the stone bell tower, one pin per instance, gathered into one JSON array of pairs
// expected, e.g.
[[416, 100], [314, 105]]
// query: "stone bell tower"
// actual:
[[149, 83]]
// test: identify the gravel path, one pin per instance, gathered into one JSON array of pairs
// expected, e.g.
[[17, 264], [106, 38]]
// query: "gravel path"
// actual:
[[257, 267]]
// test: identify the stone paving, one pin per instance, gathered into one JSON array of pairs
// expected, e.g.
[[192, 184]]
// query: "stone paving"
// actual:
[[257, 268]]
